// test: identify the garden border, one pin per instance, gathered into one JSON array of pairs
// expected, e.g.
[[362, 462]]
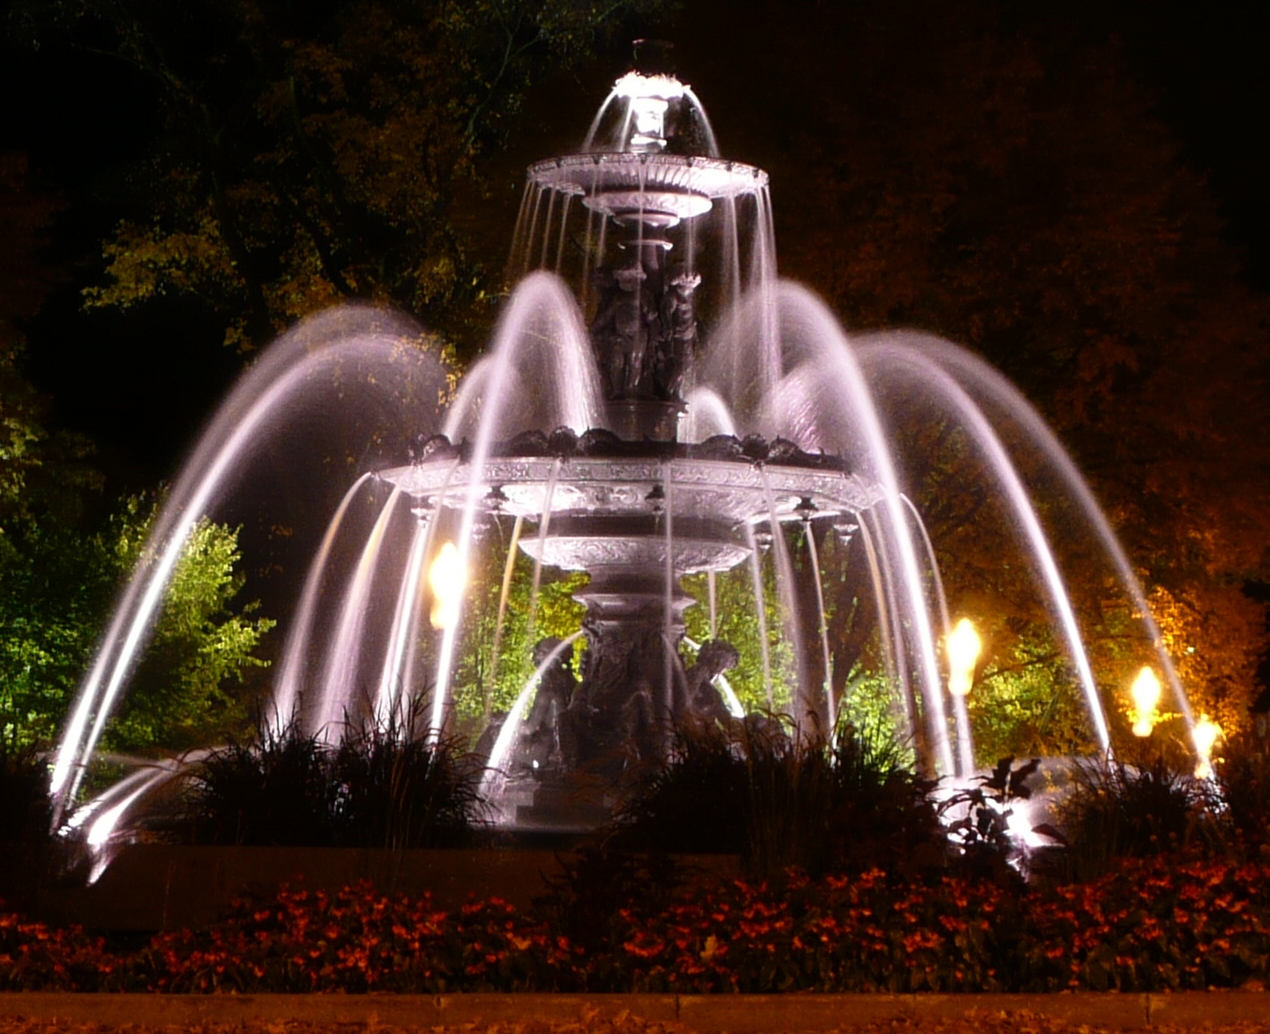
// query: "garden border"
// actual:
[[737, 1014]]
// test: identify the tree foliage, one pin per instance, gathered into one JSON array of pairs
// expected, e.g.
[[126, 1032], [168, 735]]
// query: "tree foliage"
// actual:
[[23, 284], [736, 621], [187, 689], [315, 153], [42, 481], [497, 659], [60, 568], [57, 584], [1005, 184], [38, 468]]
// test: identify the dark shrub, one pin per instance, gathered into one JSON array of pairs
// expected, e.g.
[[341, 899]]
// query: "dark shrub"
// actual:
[[751, 790], [378, 788], [28, 852], [694, 804], [1115, 810], [980, 826], [1243, 784], [273, 790], [26, 813], [884, 815], [398, 792]]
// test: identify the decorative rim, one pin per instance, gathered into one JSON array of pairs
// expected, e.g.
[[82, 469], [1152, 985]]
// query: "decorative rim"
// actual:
[[587, 175], [737, 491]]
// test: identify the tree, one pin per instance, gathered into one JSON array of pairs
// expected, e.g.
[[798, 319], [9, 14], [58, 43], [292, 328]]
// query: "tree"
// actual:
[[59, 571], [57, 584], [37, 468], [42, 478], [23, 285], [1003, 183], [307, 160], [489, 681], [189, 687]]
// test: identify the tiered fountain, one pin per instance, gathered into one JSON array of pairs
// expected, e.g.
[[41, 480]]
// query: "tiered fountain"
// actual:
[[671, 416]]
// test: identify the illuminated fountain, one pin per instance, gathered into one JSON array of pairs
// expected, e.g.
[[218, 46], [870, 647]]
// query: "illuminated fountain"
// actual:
[[679, 412]]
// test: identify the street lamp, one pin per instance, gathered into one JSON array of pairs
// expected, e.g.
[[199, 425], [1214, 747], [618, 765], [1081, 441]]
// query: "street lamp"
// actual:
[[446, 579], [1146, 696], [963, 646]]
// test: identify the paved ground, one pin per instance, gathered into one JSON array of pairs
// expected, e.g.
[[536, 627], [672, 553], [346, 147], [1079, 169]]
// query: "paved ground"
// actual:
[[972, 1023], [70, 1014]]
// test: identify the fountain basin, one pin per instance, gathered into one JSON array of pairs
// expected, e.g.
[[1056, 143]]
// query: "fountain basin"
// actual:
[[691, 176], [720, 491]]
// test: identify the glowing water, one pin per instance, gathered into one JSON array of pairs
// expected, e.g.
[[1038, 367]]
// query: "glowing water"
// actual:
[[930, 353], [778, 390], [286, 691], [365, 346], [344, 650], [496, 765], [895, 357], [542, 321]]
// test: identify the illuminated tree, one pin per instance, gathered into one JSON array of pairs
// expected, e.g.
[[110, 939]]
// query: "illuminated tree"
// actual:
[[59, 572], [192, 686], [1006, 185], [57, 584]]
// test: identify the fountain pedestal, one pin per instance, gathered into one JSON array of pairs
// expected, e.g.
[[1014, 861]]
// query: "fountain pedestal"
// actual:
[[629, 503], [637, 516]]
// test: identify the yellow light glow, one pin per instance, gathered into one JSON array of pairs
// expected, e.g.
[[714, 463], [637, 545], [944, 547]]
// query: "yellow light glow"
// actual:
[[963, 646], [446, 579], [1146, 697], [1205, 736]]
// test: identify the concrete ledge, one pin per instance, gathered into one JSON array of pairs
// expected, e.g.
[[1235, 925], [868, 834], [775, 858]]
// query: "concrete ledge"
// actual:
[[187, 1010], [1080, 1008], [1199, 1009], [548, 1008], [742, 1014], [735, 1014]]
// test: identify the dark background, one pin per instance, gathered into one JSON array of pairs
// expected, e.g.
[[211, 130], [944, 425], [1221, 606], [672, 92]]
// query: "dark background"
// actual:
[[140, 386]]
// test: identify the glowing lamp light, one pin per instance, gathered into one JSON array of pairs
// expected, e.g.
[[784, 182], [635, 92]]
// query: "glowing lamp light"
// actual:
[[446, 579], [963, 646], [1146, 696], [1205, 736]]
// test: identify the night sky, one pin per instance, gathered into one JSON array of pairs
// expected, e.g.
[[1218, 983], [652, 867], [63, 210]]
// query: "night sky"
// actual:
[[141, 385]]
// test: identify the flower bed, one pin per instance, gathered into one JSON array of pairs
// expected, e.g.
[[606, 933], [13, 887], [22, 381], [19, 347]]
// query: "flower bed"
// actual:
[[1149, 926]]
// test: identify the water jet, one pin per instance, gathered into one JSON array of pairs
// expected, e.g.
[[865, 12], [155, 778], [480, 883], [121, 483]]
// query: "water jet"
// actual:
[[656, 407]]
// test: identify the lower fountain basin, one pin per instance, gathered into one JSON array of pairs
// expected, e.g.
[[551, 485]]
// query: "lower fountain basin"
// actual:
[[589, 542]]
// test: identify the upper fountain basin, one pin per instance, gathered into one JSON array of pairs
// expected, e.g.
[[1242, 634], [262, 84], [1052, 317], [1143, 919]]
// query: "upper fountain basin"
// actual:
[[679, 186]]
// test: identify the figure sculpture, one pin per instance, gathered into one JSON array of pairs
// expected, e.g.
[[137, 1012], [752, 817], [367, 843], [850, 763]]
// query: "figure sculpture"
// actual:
[[549, 738], [700, 699]]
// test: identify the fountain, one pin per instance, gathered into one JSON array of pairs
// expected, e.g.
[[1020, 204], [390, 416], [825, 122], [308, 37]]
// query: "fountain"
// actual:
[[680, 412]]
